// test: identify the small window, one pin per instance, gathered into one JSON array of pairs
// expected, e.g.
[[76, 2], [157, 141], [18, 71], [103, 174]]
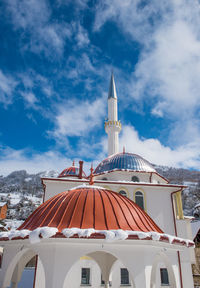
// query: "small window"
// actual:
[[164, 276], [135, 179], [104, 178], [139, 199], [124, 276], [123, 193], [85, 276]]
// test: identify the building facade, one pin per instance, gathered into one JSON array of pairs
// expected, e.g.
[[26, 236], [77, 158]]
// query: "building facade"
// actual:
[[92, 262]]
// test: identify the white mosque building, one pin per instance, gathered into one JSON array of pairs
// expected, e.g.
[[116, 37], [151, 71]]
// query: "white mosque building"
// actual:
[[121, 226]]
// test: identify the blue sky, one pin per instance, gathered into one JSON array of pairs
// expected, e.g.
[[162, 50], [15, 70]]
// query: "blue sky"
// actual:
[[56, 58]]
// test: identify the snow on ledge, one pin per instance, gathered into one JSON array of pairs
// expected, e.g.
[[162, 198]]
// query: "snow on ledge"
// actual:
[[87, 186], [36, 235]]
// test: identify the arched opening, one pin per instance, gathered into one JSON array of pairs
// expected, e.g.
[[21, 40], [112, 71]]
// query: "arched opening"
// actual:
[[98, 269], [135, 179], [139, 199], [123, 193], [162, 273], [21, 271]]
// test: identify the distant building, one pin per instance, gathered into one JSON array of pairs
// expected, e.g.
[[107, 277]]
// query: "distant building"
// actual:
[[3, 210]]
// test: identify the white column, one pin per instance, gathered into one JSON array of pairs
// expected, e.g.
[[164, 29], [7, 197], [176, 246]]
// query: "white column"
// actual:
[[113, 138], [105, 262], [107, 284]]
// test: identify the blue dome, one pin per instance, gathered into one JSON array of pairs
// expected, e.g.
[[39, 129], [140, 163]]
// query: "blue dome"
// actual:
[[127, 161]]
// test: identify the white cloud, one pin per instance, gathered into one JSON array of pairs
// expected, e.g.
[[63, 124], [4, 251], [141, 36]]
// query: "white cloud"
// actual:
[[11, 86], [134, 17], [187, 156], [78, 67], [32, 80], [34, 18], [76, 117], [35, 162], [12, 160], [80, 4], [29, 98], [7, 87], [81, 36], [171, 69], [167, 73]]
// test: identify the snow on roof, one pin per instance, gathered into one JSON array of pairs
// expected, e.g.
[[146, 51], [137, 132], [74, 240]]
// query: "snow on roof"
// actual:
[[36, 235], [189, 217], [2, 204], [195, 225], [196, 206], [84, 185]]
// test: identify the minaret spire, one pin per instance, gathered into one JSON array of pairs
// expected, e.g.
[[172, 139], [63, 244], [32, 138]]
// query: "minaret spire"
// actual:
[[112, 90], [112, 125]]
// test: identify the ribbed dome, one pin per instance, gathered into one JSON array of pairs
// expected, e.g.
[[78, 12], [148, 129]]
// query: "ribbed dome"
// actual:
[[71, 172], [126, 161], [90, 207]]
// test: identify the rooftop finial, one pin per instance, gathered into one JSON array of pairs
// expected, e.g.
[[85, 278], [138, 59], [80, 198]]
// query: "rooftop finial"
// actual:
[[73, 163], [91, 175], [123, 149]]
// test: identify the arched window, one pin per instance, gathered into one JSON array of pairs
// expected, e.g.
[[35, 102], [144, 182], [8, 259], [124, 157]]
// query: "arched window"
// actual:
[[139, 199], [135, 179], [164, 277], [123, 193]]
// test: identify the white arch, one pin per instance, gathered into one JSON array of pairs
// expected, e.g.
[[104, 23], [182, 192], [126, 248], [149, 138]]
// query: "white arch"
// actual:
[[105, 261], [162, 258], [119, 259], [16, 265]]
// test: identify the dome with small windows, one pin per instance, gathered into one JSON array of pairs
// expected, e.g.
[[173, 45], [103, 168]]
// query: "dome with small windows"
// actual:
[[124, 161]]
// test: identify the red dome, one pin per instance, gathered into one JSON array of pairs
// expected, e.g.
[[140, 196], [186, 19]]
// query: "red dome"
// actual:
[[71, 172], [90, 207]]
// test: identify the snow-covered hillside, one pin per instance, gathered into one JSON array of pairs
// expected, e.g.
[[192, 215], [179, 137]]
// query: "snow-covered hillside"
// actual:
[[23, 193], [191, 195]]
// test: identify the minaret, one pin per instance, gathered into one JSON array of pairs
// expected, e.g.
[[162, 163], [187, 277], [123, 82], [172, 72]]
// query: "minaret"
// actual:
[[112, 125]]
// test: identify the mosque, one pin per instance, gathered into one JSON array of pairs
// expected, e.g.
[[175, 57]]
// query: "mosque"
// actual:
[[123, 225]]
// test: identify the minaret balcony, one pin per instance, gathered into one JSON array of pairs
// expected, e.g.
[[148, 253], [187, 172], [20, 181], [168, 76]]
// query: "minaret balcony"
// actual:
[[115, 125]]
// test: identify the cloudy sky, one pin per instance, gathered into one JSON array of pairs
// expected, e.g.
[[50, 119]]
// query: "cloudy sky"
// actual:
[[56, 58]]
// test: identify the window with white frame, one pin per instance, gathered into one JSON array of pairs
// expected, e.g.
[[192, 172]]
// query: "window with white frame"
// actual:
[[164, 277], [124, 276], [85, 276], [139, 199]]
